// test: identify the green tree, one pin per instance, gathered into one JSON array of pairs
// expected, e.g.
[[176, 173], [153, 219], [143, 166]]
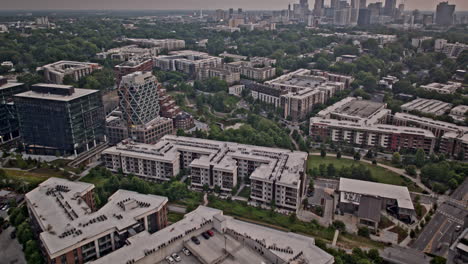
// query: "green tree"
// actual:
[[331, 171], [420, 158], [363, 231], [411, 170], [396, 158], [357, 156], [338, 154], [323, 152]]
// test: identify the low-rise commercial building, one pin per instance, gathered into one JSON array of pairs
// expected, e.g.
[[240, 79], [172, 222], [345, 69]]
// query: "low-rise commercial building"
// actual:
[[276, 175], [233, 242], [184, 121], [448, 88], [367, 199], [56, 72], [427, 106], [70, 230]]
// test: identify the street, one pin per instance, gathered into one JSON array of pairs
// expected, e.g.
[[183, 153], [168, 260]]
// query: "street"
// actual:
[[11, 251]]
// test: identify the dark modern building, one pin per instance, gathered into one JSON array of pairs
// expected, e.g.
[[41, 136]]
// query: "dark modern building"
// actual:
[[9, 128], [444, 14], [390, 7], [364, 17], [60, 119]]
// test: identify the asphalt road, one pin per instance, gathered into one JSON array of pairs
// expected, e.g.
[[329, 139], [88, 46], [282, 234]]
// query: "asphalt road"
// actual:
[[441, 231]]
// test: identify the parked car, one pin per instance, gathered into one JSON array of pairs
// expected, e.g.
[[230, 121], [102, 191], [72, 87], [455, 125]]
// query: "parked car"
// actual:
[[176, 257], [170, 260], [186, 251], [210, 232], [205, 235], [196, 240]]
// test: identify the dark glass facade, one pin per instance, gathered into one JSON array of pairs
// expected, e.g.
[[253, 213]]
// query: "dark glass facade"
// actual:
[[68, 124], [8, 120]]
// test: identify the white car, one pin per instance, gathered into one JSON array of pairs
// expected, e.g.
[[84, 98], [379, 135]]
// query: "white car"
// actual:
[[186, 252], [170, 260], [176, 257]]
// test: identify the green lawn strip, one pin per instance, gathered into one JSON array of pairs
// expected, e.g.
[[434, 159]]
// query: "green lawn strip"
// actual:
[[245, 192], [379, 174], [174, 217], [96, 180], [241, 211], [28, 176]]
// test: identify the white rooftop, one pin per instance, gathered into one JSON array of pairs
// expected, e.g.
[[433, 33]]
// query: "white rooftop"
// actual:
[[78, 92], [66, 218], [399, 193]]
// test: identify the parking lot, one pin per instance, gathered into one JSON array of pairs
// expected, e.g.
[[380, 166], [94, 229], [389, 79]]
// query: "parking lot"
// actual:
[[184, 259]]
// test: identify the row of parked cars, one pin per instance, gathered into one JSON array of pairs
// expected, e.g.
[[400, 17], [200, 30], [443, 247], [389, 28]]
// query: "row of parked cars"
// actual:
[[176, 258], [205, 235]]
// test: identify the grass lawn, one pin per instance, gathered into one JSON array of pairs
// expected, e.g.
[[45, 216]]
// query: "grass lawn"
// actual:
[[379, 174], [268, 218], [96, 180], [245, 192], [31, 176], [174, 217]]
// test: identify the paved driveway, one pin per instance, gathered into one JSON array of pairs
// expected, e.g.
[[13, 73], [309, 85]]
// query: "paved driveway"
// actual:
[[10, 250]]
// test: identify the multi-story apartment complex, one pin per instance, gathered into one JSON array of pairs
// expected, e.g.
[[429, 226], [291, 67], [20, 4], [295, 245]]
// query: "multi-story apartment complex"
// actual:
[[222, 74], [448, 88], [60, 118], [166, 44], [187, 61], [145, 65], [458, 113], [130, 52], [56, 72], [249, 69], [9, 127], [168, 105], [427, 106], [70, 230], [388, 137], [439, 128], [276, 175], [233, 241], [298, 92]]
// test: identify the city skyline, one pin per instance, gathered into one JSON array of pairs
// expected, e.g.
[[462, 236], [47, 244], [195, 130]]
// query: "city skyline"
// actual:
[[191, 5]]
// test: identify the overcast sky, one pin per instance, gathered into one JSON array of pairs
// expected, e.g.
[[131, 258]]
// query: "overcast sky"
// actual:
[[191, 4]]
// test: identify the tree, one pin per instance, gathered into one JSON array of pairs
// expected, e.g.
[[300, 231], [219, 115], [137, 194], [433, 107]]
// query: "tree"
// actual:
[[420, 158], [357, 156], [339, 225], [396, 158], [363, 231], [411, 170], [438, 260], [338, 154], [311, 185], [331, 171], [323, 152]]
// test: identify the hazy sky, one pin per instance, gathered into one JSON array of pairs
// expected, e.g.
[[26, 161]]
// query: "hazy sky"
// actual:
[[190, 4]]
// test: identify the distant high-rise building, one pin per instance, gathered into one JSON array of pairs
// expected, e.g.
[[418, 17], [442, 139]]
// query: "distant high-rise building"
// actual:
[[239, 11], [60, 119], [9, 129], [318, 7], [444, 14], [231, 12], [364, 18], [354, 11], [304, 3], [390, 7]]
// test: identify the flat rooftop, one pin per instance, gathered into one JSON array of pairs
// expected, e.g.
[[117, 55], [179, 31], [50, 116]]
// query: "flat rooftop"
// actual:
[[427, 106], [360, 108], [286, 246], [67, 220], [78, 92], [399, 193]]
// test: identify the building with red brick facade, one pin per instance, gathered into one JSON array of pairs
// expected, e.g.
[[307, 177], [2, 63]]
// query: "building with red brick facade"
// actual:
[[130, 67], [71, 230]]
